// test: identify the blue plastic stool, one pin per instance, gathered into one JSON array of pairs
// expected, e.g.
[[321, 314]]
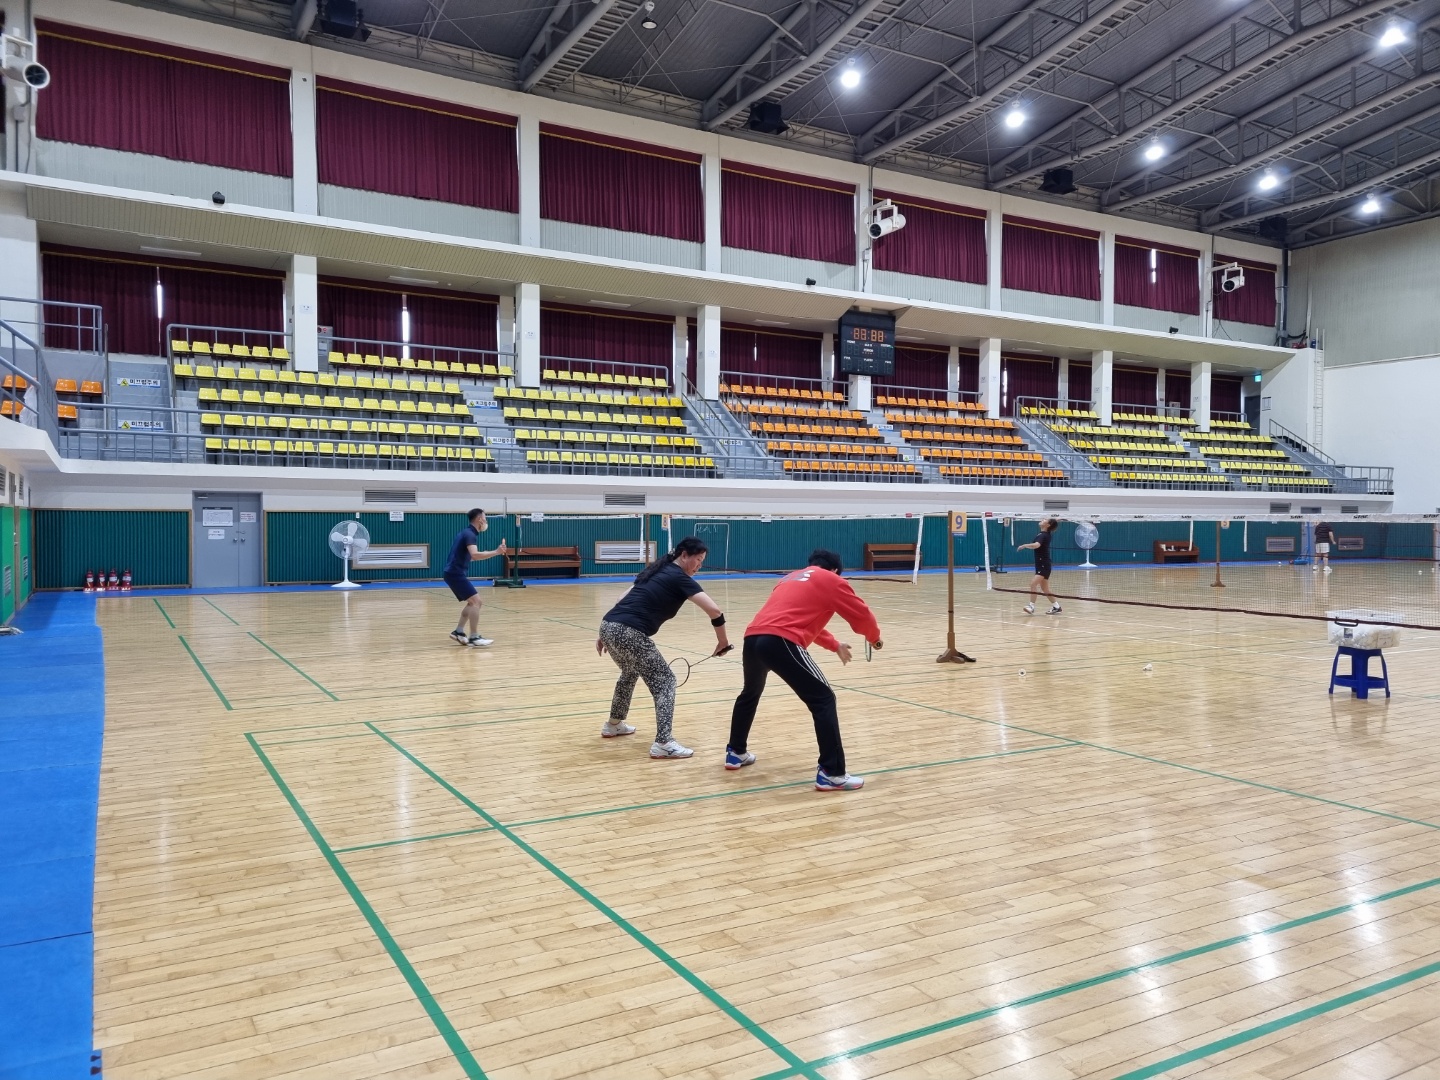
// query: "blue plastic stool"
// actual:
[[1360, 681]]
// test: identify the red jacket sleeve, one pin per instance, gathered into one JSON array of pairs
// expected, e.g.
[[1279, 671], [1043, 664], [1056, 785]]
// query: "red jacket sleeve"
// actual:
[[826, 640], [854, 611]]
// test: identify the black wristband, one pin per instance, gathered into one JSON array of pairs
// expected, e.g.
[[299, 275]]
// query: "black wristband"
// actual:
[[719, 620]]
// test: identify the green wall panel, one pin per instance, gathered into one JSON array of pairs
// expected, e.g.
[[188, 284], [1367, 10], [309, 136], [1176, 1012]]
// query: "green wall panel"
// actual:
[[9, 573], [25, 572], [154, 545], [297, 548]]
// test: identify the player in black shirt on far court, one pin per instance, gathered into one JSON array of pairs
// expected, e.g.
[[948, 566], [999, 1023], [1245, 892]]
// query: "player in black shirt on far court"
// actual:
[[1041, 581], [456, 575]]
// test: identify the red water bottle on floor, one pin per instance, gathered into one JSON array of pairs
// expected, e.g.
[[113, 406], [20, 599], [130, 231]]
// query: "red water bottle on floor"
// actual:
[[125, 581], [114, 581], [89, 580], [100, 581]]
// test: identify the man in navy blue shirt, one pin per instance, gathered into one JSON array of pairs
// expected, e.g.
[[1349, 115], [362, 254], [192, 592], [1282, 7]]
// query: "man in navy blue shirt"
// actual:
[[465, 548]]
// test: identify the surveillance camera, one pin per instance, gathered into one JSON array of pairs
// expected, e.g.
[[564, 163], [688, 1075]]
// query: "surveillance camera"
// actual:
[[1232, 277], [218, 198], [20, 68], [885, 218]]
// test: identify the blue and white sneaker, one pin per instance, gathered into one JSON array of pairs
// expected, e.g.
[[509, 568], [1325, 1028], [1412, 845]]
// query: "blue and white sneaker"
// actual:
[[735, 761], [824, 782], [671, 749]]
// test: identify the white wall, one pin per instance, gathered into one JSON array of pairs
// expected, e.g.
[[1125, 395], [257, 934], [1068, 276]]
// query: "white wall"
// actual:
[[146, 172], [1384, 414], [423, 214], [1290, 392]]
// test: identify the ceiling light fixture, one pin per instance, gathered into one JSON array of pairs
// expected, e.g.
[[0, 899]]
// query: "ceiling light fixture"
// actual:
[[1268, 180], [170, 251], [1371, 205], [850, 77], [1015, 117], [1395, 34], [1155, 151], [400, 279], [648, 22]]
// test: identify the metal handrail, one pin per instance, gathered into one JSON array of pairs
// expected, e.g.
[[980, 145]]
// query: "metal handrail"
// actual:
[[416, 350], [44, 417], [1285, 435], [658, 372], [187, 332], [931, 393]]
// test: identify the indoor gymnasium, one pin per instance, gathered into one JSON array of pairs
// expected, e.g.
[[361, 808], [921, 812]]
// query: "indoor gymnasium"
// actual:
[[730, 539]]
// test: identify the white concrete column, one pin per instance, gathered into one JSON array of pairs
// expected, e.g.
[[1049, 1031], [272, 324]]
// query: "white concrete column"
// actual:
[[860, 394], [20, 256], [1200, 395], [527, 334], [1062, 381], [990, 376], [1107, 277], [952, 373], [707, 351], [304, 153], [1160, 389], [827, 361], [505, 328], [302, 300], [681, 354], [864, 197], [1207, 287], [1102, 384], [994, 262], [529, 135], [712, 181]]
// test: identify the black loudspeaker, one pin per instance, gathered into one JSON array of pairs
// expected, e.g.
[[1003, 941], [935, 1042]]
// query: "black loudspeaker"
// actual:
[[344, 19], [1274, 229], [1058, 181], [765, 118]]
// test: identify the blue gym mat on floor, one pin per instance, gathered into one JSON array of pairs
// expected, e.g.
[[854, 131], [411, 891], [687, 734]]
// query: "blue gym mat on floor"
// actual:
[[52, 716]]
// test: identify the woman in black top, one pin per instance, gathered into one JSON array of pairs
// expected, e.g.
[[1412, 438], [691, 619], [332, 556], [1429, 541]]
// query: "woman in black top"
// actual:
[[625, 632], [1041, 580]]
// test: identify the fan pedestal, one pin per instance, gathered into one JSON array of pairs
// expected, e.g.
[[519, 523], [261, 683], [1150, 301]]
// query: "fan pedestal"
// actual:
[[345, 582]]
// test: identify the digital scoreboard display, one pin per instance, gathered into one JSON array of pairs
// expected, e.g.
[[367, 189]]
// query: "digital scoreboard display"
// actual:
[[867, 343]]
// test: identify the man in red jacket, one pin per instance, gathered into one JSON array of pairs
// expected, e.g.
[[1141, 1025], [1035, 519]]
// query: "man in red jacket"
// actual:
[[776, 640]]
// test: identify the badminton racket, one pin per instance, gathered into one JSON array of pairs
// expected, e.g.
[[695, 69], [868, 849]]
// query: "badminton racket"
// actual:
[[682, 667], [869, 651]]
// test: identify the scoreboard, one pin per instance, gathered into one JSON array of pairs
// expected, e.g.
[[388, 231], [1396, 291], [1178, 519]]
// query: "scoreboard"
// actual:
[[867, 343]]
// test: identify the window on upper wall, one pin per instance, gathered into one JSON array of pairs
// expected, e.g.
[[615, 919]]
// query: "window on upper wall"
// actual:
[[590, 179], [780, 213], [124, 93]]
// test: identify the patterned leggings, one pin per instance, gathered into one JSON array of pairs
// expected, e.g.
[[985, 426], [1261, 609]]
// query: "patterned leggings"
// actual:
[[638, 658]]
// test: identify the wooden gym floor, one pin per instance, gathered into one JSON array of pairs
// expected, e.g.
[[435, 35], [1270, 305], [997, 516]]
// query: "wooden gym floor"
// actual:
[[334, 845]]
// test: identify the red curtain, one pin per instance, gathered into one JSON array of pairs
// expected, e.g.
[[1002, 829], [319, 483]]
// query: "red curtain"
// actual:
[[360, 312], [124, 290], [749, 351], [615, 184], [235, 299], [1042, 257], [1177, 388], [917, 366], [784, 214], [1079, 382], [617, 339], [1255, 302], [451, 321], [1225, 392], [1028, 376], [1133, 386], [1172, 283], [127, 94], [969, 372], [937, 241], [380, 141]]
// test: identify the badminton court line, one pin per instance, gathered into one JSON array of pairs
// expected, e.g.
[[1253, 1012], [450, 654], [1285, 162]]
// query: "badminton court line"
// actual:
[[1125, 973], [797, 1066]]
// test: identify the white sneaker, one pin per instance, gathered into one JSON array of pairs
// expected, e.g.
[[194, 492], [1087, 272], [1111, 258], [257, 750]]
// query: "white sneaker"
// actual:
[[1054, 610], [479, 642], [671, 749], [1029, 609], [611, 730], [1327, 569], [825, 782]]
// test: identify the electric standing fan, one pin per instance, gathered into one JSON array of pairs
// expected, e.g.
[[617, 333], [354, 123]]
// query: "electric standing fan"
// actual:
[[1086, 537], [348, 539]]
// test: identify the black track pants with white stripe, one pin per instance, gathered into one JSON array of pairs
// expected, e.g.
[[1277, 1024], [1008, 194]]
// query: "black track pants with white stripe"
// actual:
[[764, 653]]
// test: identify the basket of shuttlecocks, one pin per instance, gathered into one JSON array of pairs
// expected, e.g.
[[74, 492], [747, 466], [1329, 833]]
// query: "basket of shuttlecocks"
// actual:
[[1362, 628]]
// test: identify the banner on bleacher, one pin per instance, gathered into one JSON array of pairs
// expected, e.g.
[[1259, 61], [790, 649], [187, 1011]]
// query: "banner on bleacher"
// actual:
[[142, 425], [127, 381]]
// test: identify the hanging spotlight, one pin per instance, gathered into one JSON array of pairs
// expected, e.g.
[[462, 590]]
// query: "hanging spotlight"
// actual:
[[1015, 117], [1371, 205], [1155, 151], [850, 76], [1268, 180], [1395, 34], [648, 22]]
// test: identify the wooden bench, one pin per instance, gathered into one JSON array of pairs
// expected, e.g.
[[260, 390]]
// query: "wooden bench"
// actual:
[[889, 556], [1168, 551], [543, 558]]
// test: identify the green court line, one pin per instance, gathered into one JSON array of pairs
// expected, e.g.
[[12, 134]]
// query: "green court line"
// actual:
[[1153, 760], [223, 699], [302, 674], [318, 738], [1279, 1024], [164, 612], [412, 977], [219, 609], [797, 1066], [413, 839], [1102, 979]]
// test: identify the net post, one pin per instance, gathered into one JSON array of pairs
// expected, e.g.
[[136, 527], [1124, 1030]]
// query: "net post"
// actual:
[[985, 536], [919, 537], [952, 655], [513, 580], [1217, 583]]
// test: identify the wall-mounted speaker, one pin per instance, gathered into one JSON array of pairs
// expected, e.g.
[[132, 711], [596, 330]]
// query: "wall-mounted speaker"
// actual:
[[1059, 181], [765, 118]]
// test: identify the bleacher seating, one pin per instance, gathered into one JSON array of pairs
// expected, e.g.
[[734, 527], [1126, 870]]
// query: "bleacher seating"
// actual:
[[374, 362], [606, 379], [812, 434], [964, 443], [1254, 460]]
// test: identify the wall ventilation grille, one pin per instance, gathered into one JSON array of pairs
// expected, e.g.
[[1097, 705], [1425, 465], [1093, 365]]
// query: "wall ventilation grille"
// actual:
[[391, 497], [623, 498]]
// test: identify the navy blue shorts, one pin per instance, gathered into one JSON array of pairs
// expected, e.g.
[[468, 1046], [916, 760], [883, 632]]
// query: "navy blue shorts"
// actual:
[[460, 586], [1043, 570]]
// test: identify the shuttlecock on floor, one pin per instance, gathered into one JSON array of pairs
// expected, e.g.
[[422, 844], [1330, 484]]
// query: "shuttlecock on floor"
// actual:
[[1148, 667], [1022, 673]]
